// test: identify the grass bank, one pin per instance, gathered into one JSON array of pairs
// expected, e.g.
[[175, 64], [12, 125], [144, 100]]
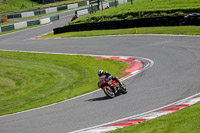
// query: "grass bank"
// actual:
[[17, 5], [143, 8], [183, 30], [14, 5], [184, 121], [29, 80]]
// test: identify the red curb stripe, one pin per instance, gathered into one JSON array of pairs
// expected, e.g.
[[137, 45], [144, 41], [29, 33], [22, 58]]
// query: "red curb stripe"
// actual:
[[134, 65], [173, 108], [126, 123], [197, 96], [114, 58], [122, 124], [111, 58]]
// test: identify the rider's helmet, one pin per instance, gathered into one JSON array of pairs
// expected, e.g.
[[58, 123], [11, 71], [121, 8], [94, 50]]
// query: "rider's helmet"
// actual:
[[100, 73]]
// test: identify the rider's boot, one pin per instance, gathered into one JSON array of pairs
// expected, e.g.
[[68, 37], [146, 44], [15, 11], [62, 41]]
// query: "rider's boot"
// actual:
[[120, 83], [115, 89]]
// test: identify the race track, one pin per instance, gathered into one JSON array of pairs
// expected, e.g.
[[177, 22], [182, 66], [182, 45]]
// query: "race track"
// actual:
[[175, 75]]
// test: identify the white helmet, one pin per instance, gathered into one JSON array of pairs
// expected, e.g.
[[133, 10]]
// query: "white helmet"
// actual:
[[100, 72]]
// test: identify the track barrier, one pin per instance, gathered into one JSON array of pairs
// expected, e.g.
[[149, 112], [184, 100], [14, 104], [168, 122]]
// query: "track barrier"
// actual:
[[28, 23]]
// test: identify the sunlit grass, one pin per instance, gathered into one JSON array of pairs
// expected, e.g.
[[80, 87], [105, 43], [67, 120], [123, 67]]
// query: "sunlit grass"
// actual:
[[184, 121], [29, 80]]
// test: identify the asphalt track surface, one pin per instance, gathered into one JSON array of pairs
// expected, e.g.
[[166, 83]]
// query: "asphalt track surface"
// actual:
[[175, 75]]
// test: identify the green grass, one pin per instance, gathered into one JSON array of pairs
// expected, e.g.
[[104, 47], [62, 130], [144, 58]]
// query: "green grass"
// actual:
[[6, 23], [146, 7], [184, 121], [29, 80], [184, 30], [15, 5]]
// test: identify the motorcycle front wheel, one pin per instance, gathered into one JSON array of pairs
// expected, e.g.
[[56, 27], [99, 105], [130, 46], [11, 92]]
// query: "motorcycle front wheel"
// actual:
[[123, 90], [109, 93]]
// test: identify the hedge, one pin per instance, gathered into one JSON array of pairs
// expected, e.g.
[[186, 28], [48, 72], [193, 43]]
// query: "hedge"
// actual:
[[143, 22]]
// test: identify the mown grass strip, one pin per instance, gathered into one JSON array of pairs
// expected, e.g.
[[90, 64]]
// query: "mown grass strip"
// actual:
[[184, 121], [183, 30], [30, 80]]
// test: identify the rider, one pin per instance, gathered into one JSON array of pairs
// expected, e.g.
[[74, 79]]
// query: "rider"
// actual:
[[109, 76], [74, 17]]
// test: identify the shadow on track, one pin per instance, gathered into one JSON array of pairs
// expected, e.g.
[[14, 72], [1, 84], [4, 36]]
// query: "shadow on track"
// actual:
[[98, 99]]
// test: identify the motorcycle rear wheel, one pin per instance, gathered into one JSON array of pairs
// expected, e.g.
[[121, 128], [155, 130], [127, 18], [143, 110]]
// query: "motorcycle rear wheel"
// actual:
[[109, 93]]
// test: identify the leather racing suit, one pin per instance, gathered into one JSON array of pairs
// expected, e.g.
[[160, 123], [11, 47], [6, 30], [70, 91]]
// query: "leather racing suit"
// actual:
[[110, 76]]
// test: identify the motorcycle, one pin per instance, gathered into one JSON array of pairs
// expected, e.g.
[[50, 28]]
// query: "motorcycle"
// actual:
[[111, 88]]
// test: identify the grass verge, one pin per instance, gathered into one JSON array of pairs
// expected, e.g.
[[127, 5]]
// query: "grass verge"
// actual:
[[30, 80], [6, 23], [184, 30], [184, 121]]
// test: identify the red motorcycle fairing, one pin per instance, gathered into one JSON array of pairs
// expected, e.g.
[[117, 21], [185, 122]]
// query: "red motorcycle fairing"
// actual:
[[107, 84], [111, 88], [113, 83], [106, 87], [103, 83]]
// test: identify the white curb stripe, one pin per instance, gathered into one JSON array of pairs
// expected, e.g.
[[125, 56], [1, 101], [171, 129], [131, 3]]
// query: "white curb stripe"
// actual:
[[102, 129], [154, 115]]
